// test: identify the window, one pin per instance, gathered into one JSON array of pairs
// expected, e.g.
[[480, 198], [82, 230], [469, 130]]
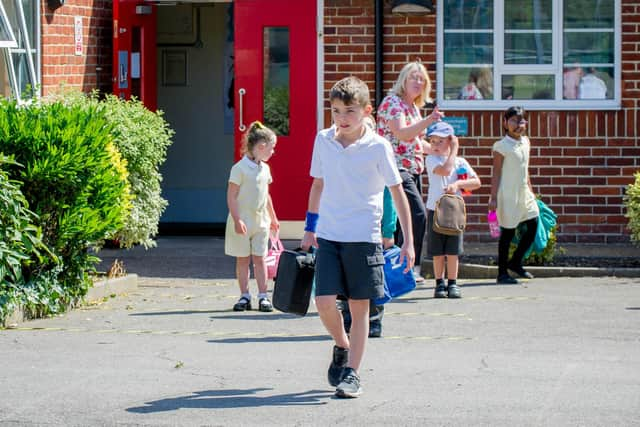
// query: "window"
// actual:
[[7, 39], [19, 63], [544, 54], [276, 79]]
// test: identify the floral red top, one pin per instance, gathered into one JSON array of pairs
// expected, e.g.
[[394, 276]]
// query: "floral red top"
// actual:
[[409, 154]]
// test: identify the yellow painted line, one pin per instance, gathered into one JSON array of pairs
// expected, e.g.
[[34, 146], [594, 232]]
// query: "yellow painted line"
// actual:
[[427, 338], [232, 334], [416, 313], [518, 298]]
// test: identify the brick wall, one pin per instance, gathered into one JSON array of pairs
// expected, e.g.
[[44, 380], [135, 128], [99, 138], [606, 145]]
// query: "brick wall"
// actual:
[[581, 161], [60, 65]]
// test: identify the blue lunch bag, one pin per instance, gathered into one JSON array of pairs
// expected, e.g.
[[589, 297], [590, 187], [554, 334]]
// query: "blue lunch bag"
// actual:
[[396, 282]]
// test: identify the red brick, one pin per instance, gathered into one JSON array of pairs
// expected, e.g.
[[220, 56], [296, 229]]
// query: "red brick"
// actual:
[[620, 180], [575, 229], [605, 152], [564, 200], [578, 152], [605, 171], [564, 180], [592, 161], [605, 191], [608, 210], [621, 161]]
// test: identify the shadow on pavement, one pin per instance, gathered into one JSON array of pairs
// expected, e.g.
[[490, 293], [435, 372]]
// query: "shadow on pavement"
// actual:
[[244, 316], [228, 399], [277, 316], [180, 312], [271, 339]]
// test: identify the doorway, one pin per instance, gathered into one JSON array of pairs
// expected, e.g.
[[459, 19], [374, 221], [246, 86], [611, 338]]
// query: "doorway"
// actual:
[[194, 73], [214, 67]]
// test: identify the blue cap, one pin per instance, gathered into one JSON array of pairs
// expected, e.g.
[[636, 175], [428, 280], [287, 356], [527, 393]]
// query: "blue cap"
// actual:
[[440, 128]]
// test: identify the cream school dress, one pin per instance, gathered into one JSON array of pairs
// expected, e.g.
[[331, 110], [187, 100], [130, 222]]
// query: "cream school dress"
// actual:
[[253, 179], [516, 202]]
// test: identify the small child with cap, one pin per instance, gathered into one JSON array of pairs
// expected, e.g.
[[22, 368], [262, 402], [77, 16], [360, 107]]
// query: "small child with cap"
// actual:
[[441, 166]]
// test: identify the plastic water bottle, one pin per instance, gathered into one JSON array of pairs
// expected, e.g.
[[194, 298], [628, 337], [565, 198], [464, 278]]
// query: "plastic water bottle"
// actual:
[[494, 227], [462, 174]]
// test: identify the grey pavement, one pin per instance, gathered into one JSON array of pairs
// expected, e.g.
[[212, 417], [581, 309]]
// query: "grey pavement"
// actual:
[[548, 352]]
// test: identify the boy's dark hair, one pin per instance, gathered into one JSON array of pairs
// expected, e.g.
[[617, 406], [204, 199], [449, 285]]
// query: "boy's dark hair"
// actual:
[[350, 90], [513, 111]]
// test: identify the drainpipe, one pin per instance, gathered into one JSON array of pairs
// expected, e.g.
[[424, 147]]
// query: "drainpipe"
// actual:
[[379, 10]]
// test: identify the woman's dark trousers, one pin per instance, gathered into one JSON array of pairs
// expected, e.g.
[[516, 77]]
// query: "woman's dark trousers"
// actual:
[[412, 188]]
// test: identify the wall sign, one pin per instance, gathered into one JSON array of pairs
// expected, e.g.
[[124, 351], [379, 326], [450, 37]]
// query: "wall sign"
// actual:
[[460, 125], [78, 35]]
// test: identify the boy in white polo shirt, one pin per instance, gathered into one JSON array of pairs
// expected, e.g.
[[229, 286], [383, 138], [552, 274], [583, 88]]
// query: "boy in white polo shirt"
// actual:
[[351, 165]]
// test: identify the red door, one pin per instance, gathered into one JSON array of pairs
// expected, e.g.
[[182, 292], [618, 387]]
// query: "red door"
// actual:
[[134, 51], [276, 83]]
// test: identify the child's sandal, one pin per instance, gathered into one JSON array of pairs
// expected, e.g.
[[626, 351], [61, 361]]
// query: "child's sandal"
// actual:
[[243, 304]]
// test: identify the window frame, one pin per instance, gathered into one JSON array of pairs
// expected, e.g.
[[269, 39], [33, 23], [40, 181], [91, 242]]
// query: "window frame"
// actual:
[[31, 49], [4, 19], [555, 68]]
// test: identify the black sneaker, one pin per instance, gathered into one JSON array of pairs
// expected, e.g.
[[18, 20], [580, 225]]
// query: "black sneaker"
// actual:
[[375, 329], [454, 291], [243, 304], [521, 272], [505, 279], [440, 291], [338, 364], [350, 384]]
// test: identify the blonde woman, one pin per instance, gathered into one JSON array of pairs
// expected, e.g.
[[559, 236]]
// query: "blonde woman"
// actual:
[[402, 124]]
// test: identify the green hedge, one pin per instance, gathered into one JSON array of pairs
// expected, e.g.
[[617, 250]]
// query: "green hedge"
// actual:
[[632, 203], [19, 240], [142, 138], [75, 181]]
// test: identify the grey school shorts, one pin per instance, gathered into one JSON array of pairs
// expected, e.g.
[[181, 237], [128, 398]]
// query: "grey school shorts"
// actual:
[[441, 244], [352, 269]]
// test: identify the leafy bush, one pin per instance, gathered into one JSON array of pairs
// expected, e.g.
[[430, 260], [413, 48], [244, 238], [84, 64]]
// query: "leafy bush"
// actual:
[[632, 203], [142, 138], [22, 251], [74, 180], [18, 237]]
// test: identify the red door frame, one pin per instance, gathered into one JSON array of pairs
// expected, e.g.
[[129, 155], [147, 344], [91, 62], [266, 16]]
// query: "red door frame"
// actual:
[[290, 165], [134, 31]]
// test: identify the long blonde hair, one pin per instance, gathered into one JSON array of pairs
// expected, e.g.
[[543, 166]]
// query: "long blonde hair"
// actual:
[[400, 84], [257, 133]]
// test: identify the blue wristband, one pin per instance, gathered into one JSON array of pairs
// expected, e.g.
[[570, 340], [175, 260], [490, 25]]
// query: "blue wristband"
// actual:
[[311, 222]]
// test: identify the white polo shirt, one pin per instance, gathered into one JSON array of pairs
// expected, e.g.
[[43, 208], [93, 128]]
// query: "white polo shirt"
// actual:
[[438, 183], [354, 180]]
